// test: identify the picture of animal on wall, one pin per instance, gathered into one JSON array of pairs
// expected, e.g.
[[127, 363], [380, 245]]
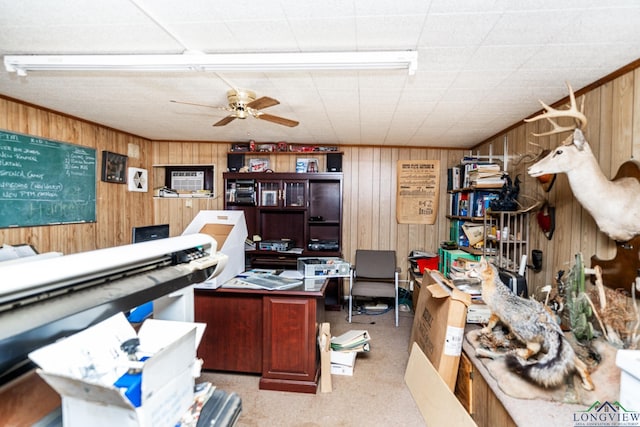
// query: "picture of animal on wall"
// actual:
[[613, 204]]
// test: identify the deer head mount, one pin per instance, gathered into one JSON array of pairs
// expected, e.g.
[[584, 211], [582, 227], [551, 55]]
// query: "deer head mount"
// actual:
[[612, 204]]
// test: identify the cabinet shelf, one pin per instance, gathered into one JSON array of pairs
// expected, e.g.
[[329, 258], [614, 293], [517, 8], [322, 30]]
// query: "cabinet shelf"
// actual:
[[283, 205], [472, 251], [513, 244], [466, 218], [476, 188], [297, 153]]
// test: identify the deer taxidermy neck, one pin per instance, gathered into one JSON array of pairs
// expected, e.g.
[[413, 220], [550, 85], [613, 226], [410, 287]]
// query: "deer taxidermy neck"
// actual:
[[612, 204]]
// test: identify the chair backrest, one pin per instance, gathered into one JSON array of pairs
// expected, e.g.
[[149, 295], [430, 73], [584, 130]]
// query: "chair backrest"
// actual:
[[375, 264]]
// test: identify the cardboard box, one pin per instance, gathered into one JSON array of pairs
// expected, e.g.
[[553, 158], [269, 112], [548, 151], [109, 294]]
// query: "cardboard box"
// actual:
[[343, 362], [229, 229], [84, 367], [438, 324], [629, 363], [432, 395]]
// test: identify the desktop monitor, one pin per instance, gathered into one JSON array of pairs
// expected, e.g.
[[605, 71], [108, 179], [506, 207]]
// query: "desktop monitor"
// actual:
[[149, 232]]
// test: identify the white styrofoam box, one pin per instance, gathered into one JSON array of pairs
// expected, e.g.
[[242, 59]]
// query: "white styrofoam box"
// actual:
[[343, 362], [347, 358], [337, 369], [82, 368], [229, 229], [629, 363]]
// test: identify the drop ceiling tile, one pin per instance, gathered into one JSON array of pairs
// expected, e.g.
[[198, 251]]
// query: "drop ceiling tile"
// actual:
[[466, 6], [388, 32], [322, 35], [386, 8], [296, 9], [446, 30], [528, 28]]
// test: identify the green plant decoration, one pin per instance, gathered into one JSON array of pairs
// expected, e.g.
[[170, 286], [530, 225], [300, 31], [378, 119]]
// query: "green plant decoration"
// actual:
[[579, 308]]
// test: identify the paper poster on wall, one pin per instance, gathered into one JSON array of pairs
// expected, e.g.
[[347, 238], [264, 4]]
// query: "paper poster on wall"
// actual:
[[418, 191]]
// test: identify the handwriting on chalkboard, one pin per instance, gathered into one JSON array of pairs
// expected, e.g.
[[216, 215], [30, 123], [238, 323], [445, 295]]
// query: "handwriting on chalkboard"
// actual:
[[45, 182]]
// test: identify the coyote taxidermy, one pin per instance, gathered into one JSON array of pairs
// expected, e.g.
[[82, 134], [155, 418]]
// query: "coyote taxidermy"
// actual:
[[533, 324]]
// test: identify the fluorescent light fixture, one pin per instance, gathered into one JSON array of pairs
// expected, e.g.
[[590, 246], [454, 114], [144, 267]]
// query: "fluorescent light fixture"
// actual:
[[258, 62]]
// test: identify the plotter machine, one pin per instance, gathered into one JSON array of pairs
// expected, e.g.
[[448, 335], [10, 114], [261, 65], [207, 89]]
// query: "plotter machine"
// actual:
[[44, 299]]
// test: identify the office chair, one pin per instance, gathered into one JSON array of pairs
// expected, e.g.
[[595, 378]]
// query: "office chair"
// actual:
[[375, 274]]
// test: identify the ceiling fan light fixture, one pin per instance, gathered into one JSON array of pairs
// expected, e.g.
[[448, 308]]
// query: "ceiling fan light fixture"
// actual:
[[251, 62]]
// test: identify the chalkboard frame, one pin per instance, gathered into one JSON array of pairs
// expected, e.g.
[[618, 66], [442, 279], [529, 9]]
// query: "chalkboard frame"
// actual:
[[45, 181]]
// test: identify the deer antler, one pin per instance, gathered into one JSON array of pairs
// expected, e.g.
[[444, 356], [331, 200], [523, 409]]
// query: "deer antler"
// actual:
[[551, 113]]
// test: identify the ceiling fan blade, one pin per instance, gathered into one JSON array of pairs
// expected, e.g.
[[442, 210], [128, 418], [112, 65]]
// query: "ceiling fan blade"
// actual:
[[263, 102], [278, 120], [225, 121], [202, 105]]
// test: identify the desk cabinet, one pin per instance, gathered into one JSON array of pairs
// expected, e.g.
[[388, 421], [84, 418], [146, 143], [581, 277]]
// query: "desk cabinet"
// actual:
[[290, 359], [233, 337], [272, 333], [478, 399]]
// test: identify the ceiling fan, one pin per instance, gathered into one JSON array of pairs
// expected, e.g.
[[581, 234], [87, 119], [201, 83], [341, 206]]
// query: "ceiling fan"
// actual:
[[242, 104]]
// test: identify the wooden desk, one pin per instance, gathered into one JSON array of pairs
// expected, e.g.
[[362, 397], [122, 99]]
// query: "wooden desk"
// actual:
[[272, 333]]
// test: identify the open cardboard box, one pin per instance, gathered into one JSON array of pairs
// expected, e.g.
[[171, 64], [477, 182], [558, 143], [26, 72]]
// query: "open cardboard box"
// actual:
[[432, 395], [438, 324], [229, 229], [83, 368]]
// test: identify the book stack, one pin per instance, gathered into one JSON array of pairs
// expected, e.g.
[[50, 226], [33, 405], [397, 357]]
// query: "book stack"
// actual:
[[485, 175], [344, 349]]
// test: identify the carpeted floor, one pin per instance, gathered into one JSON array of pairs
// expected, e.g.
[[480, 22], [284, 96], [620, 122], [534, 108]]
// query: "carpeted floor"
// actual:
[[376, 394]]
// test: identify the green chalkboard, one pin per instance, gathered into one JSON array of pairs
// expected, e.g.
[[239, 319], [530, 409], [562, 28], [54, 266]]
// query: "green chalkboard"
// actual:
[[45, 182]]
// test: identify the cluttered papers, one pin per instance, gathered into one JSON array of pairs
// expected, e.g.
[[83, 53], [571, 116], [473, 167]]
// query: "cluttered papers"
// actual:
[[344, 349], [263, 279]]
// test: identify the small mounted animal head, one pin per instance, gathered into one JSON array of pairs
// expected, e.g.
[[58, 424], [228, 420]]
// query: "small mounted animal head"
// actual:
[[573, 150]]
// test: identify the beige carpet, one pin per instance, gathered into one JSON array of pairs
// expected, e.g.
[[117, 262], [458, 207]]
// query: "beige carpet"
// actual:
[[376, 394]]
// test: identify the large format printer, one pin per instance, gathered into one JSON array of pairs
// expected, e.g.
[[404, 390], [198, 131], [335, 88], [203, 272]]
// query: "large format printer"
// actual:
[[45, 298]]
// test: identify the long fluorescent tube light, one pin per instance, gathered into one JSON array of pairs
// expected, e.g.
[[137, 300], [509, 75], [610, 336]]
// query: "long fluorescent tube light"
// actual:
[[258, 62]]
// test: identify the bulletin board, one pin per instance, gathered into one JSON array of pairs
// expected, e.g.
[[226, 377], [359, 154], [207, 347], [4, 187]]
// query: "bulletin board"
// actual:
[[418, 191], [45, 182]]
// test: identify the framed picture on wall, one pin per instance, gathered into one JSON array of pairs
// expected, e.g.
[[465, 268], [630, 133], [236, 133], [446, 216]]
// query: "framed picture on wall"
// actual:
[[114, 167], [137, 180]]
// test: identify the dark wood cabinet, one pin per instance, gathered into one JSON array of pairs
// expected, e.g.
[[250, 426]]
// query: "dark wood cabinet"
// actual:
[[302, 207], [290, 359], [272, 333], [232, 340]]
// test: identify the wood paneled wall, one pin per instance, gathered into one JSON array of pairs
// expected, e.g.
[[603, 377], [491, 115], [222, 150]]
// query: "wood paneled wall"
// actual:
[[613, 131], [369, 209], [613, 110], [117, 209]]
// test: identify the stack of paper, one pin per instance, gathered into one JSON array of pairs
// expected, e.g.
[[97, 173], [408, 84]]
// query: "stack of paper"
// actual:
[[488, 174], [355, 340]]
